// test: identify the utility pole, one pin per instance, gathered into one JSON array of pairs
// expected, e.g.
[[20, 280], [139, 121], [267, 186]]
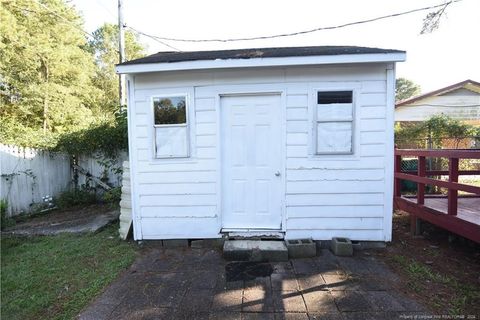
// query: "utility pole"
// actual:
[[121, 51]]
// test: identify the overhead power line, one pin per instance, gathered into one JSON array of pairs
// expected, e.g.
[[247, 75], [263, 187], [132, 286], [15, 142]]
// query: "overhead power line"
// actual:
[[53, 13], [291, 34], [63, 18], [153, 38]]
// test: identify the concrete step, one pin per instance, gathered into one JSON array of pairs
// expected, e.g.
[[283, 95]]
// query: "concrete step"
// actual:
[[255, 250]]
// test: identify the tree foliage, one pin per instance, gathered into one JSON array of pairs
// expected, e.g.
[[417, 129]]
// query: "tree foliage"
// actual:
[[57, 89], [107, 137], [46, 73], [405, 89], [431, 133], [104, 47]]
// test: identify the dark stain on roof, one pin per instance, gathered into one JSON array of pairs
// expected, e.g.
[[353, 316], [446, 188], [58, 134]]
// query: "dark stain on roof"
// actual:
[[171, 56]]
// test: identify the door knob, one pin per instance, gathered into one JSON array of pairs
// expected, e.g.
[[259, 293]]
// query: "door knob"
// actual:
[[277, 173]]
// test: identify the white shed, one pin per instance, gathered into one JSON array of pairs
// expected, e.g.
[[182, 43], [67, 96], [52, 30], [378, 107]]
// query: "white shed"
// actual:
[[294, 142]]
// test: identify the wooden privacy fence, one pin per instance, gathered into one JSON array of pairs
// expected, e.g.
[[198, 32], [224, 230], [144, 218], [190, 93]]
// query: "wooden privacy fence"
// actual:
[[458, 214], [28, 175]]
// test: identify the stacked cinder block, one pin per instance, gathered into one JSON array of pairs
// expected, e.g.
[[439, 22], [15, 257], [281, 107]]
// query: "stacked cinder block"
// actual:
[[125, 203]]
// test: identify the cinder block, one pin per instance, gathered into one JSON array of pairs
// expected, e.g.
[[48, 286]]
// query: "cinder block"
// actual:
[[342, 246], [175, 243], [301, 248]]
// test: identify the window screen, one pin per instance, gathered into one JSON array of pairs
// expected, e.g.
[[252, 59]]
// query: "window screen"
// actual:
[[171, 127], [334, 122]]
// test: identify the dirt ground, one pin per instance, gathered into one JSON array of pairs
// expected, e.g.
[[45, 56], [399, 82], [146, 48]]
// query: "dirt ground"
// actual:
[[439, 269], [73, 220]]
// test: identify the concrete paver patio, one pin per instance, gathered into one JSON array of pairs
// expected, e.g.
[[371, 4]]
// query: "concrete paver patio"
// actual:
[[191, 284]]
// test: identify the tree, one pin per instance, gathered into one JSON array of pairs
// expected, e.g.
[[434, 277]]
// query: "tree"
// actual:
[[432, 132], [45, 72], [405, 89], [104, 46], [431, 22]]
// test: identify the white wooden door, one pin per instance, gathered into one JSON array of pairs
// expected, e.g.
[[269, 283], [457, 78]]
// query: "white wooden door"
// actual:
[[251, 162]]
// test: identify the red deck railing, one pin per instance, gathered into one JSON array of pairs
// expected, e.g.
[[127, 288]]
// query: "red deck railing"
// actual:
[[422, 177]]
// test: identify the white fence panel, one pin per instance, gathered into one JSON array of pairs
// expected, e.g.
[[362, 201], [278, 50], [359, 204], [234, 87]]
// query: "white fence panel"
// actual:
[[109, 170], [27, 175]]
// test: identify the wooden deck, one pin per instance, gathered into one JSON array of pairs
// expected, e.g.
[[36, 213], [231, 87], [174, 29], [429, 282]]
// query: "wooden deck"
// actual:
[[468, 208], [458, 214]]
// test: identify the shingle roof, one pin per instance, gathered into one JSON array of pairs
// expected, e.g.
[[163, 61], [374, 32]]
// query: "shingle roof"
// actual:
[[171, 56]]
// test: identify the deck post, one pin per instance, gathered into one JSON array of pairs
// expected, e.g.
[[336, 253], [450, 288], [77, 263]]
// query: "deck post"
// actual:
[[421, 169], [415, 225], [452, 194], [398, 182]]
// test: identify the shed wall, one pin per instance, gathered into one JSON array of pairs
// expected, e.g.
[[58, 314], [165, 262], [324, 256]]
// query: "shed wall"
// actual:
[[325, 195]]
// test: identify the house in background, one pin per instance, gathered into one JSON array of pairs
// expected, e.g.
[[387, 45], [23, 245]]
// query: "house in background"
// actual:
[[459, 101], [290, 142]]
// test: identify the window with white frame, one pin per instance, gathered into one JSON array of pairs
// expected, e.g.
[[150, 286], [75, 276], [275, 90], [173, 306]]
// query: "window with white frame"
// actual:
[[171, 127], [334, 122]]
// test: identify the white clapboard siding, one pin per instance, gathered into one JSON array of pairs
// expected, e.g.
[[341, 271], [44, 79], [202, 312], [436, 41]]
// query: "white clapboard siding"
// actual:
[[340, 211], [373, 112], [338, 163], [162, 165], [297, 100], [332, 199], [297, 126], [197, 211], [335, 187], [205, 116], [367, 125], [320, 175], [178, 227], [372, 137], [177, 188], [359, 235], [177, 199], [169, 177], [325, 196], [297, 139], [321, 223]]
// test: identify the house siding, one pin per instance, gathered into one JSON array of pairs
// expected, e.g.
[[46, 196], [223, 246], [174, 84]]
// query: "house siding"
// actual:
[[325, 196], [460, 104]]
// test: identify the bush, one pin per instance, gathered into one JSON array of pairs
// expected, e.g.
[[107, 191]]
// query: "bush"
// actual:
[[6, 221], [108, 138], [434, 132], [76, 197], [113, 196]]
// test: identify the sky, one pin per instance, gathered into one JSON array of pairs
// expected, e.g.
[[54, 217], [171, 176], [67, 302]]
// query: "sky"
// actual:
[[448, 55]]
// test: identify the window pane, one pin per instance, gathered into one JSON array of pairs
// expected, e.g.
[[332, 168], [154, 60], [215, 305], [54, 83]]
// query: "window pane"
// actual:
[[334, 137], [171, 110], [340, 111], [171, 142], [327, 97]]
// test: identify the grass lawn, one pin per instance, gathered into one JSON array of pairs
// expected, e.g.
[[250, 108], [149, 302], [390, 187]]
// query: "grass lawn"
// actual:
[[441, 274], [55, 277]]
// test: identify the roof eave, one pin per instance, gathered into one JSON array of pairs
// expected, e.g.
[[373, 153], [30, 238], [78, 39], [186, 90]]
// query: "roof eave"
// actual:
[[261, 62], [467, 84]]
